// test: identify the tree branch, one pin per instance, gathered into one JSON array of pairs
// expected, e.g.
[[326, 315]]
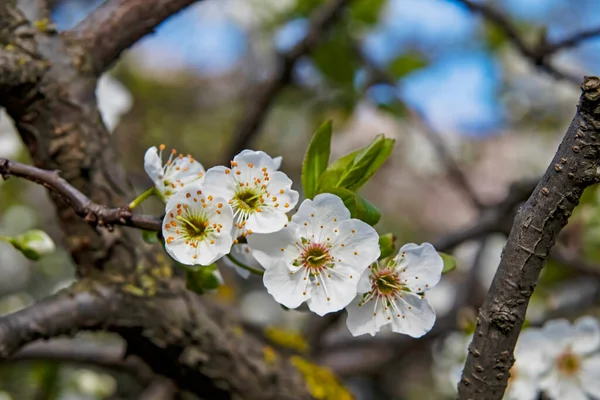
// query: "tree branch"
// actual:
[[117, 24], [66, 312], [94, 214], [535, 54], [570, 41], [264, 95], [538, 222]]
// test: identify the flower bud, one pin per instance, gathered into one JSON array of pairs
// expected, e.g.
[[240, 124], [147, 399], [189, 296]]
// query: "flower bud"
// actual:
[[33, 244]]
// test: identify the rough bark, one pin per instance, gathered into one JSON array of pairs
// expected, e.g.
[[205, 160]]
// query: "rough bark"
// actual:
[[574, 167], [174, 331]]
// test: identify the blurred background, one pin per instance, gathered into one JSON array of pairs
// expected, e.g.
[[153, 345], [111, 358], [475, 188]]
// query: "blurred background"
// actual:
[[433, 74]]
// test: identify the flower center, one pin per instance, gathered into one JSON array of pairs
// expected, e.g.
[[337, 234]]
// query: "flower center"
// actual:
[[568, 363], [386, 282], [314, 257], [248, 199], [194, 227]]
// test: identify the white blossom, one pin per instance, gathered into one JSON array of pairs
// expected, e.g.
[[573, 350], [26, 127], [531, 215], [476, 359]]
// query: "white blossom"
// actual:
[[114, 100], [243, 254], [525, 374], [197, 227], [178, 172], [393, 293], [259, 195], [318, 257], [574, 361]]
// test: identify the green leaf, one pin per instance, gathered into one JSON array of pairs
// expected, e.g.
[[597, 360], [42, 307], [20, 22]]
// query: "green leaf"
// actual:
[[32, 244], [331, 176], [366, 163], [449, 262], [359, 208], [202, 279], [316, 159], [336, 58], [366, 211], [366, 11], [387, 245], [407, 63], [150, 237]]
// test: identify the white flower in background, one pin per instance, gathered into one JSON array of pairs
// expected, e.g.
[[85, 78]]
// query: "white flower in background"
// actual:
[[243, 254], [449, 356], [114, 100], [572, 352], [525, 374], [178, 172], [318, 257], [33, 244], [392, 293], [197, 227], [259, 195]]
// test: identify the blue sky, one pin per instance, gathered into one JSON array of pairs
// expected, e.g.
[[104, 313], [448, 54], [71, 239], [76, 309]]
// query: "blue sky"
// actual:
[[462, 75]]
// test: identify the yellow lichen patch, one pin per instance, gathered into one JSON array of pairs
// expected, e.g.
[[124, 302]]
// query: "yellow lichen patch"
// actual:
[[9, 47], [162, 271], [321, 382], [43, 25], [289, 339], [270, 355], [238, 331], [226, 293]]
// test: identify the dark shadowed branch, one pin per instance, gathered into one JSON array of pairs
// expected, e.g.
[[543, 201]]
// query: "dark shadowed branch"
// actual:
[[263, 96], [117, 24], [94, 214], [78, 307], [534, 232]]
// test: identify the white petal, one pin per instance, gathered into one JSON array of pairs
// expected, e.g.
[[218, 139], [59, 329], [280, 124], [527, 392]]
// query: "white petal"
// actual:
[[559, 387], [530, 354], [522, 388], [361, 320], [328, 210], [286, 289], [360, 245], [219, 183], [277, 162], [268, 220], [259, 160], [416, 316], [153, 165], [185, 169], [364, 283], [278, 182], [336, 291], [587, 331], [590, 376], [559, 336], [266, 248], [421, 267], [243, 254]]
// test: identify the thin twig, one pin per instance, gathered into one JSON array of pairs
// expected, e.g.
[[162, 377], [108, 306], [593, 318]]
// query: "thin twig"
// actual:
[[117, 24], [570, 41], [263, 96], [536, 55], [533, 235], [94, 214]]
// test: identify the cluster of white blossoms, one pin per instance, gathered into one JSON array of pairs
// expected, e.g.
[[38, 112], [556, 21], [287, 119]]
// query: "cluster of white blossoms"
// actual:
[[320, 256], [560, 360]]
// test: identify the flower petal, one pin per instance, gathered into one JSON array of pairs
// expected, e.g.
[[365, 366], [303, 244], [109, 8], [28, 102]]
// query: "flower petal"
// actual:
[[267, 248], [153, 165], [557, 386], [277, 162], [268, 220], [286, 288], [279, 186], [242, 253], [530, 356], [590, 376], [356, 244], [258, 159], [522, 388], [421, 266], [414, 316], [362, 319], [325, 209], [559, 336], [332, 291], [364, 283], [185, 169], [587, 332], [219, 183]]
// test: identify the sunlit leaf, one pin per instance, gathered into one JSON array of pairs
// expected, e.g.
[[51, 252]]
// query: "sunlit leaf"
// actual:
[[316, 159]]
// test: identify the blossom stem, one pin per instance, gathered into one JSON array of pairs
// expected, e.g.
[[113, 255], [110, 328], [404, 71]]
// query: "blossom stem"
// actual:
[[255, 271], [148, 193]]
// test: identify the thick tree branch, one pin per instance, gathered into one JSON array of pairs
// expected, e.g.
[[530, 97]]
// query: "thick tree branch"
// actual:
[[94, 214], [78, 307], [574, 167], [117, 24], [263, 96]]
